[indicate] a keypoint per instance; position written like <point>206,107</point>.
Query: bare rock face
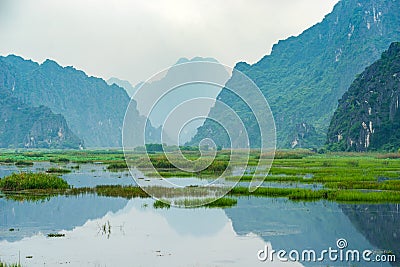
<point>368,115</point>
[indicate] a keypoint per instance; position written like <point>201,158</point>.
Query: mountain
<point>368,115</point>
<point>22,126</point>
<point>93,110</point>
<point>30,127</point>
<point>304,76</point>
<point>184,83</point>
<point>130,90</point>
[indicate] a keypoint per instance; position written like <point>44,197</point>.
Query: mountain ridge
<point>93,110</point>
<point>304,76</point>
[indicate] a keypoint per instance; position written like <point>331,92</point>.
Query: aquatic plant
<point>117,166</point>
<point>159,204</point>
<point>57,170</point>
<point>23,181</point>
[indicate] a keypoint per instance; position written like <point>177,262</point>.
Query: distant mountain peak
<point>183,60</point>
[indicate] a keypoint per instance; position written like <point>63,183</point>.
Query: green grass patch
<point>159,204</point>
<point>110,191</point>
<point>117,166</point>
<point>331,194</point>
<point>22,163</point>
<point>60,160</point>
<point>2,264</point>
<point>26,181</point>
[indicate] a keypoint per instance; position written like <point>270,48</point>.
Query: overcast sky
<point>132,39</point>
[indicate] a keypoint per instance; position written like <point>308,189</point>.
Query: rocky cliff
<point>368,115</point>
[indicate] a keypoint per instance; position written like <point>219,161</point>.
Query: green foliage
<point>92,108</point>
<point>304,76</point>
<point>372,100</point>
<point>154,147</point>
<point>22,163</point>
<point>59,160</point>
<point>161,204</point>
<point>117,166</point>
<point>2,264</point>
<point>23,181</point>
<point>23,126</point>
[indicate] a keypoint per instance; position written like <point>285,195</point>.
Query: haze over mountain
<point>186,82</point>
<point>304,76</point>
<point>368,115</point>
<point>93,110</point>
<point>130,90</point>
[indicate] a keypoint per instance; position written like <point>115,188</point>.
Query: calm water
<point>101,231</point>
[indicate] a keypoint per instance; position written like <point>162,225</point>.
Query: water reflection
<point>313,225</point>
<point>24,219</point>
<point>380,224</point>
<point>138,235</point>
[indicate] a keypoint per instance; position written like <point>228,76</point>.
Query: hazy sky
<point>132,39</point>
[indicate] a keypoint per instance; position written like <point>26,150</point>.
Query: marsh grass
<point>161,204</point>
<point>24,181</point>
<point>331,194</point>
<point>117,166</point>
<point>110,191</point>
<point>22,163</point>
<point>60,160</point>
<point>344,175</point>
<point>57,170</point>
<point>2,264</point>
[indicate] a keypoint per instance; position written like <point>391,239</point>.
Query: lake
<point>105,231</point>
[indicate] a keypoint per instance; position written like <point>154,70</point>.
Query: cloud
<point>134,39</point>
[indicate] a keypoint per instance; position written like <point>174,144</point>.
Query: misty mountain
<point>368,115</point>
<point>130,90</point>
<point>304,76</point>
<point>93,110</point>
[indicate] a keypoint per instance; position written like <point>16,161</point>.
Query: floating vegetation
<point>117,166</point>
<point>24,181</point>
<point>58,170</point>
<point>21,163</point>
<point>161,204</point>
<point>60,160</point>
<point>7,161</point>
